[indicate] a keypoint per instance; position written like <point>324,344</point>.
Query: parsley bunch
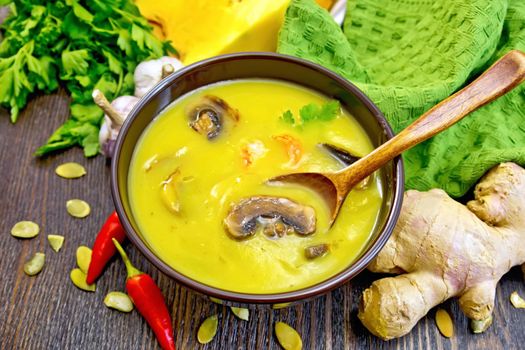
<point>312,112</point>
<point>83,44</point>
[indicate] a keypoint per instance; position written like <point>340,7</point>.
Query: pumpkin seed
<point>280,306</point>
<point>444,323</point>
<point>25,229</point>
<point>55,241</point>
<point>517,301</point>
<point>480,326</point>
<point>288,337</point>
<point>118,301</point>
<point>70,170</point>
<point>242,313</point>
<point>83,258</point>
<point>215,300</point>
<point>207,330</point>
<point>79,280</point>
<point>78,208</point>
<point>35,264</point>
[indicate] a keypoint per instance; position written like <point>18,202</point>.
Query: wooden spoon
<point>501,77</point>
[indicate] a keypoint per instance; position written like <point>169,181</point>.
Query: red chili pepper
<point>148,299</point>
<point>104,249</point>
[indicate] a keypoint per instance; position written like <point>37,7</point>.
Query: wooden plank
<point>48,312</point>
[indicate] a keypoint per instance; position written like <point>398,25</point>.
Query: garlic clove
<point>149,73</point>
<point>123,105</point>
<point>115,114</point>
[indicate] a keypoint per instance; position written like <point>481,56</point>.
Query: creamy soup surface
<point>184,183</point>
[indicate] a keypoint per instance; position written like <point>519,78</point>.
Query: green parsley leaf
<point>108,85</point>
<point>38,11</point>
<point>124,42</point>
<point>84,44</point>
<point>34,65</point>
<point>153,44</point>
<point>90,143</point>
<point>83,80</point>
<point>62,138</point>
<point>114,65</point>
<point>312,112</point>
<point>6,88</point>
<point>288,118</point>
<point>326,112</point>
<point>48,75</point>
<point>309,112</point>
<point>330,110</point>
<point>137,35</point>
<point>72,132</point>
<point>75,29</point>
<point>80,11</point>
<point>75,61</point>
<point>86,113</point>
<point>128,83</point>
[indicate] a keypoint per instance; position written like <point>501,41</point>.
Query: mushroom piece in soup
<point>277,216</point>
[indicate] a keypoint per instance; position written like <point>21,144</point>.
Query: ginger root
<point>443,249</point>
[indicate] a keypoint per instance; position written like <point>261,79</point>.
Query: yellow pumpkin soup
<point>198,193</point>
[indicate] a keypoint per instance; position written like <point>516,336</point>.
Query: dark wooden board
<point>48,312</point>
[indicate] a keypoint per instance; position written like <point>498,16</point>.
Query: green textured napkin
<point>409,55</point>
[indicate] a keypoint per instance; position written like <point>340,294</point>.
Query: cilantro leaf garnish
<point>288,118</point>
<point>312,112</point>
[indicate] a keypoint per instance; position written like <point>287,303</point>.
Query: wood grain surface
<point>48,312</point>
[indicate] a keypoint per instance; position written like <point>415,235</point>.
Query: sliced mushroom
<point>342,155</point>
<point>277,216</point>
<point>207,115</point>
<point>315,251</point>
<point>346,158</point>
<point>169,193</point>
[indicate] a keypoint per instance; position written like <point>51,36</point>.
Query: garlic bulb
<point>4,13</point>
<point>149,73</point>
<point>115,114</point>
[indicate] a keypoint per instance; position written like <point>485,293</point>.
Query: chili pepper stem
<point>132,270</point>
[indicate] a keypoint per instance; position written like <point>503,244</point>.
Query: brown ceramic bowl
<point>270,66</point>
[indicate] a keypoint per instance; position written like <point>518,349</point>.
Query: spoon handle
<point>501,77</point>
